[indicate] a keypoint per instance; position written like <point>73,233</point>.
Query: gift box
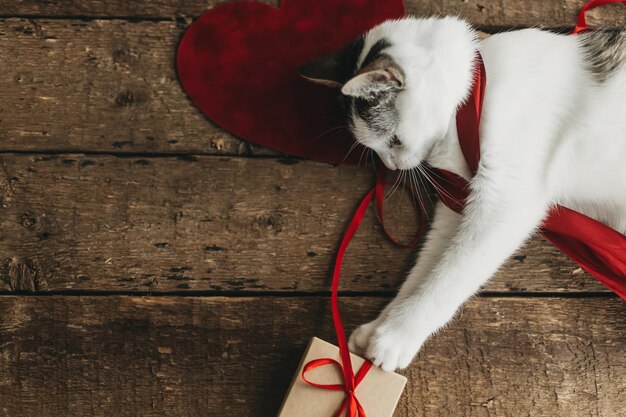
<point>377,393</point>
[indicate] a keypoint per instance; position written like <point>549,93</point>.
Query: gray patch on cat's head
<point>370,81</point>
<point>379,113</point>
<point>373,89</point>
<point>604,51</point>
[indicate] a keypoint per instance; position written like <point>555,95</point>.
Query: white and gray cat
<point>553,131</point>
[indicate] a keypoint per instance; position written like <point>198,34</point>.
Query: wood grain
<point>144,221</point>
<point>165,356</point>
<point>99,86</point>
<point>560,13</point>
<point>107,223</point>
<point>515,13</point>
<point>102,86</point>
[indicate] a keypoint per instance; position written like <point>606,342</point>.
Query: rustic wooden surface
<point>120,94</point>
<point>501,13</point>
<point>151,264</point>
<point>212,224</point>
<point>166,356</point>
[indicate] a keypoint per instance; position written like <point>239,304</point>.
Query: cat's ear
<point>327,70</point>
<point>383,75</point>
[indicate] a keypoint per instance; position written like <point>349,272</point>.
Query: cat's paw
<point>392,346</point>
<point>359,339</point>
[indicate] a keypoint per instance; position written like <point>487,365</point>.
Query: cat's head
<point>401,84</point>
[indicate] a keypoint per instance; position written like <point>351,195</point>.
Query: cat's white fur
<point>550,134</point>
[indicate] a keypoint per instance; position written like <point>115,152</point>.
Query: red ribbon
<point>581,23</point>
<point>596,247</point>
<point>351,402</point>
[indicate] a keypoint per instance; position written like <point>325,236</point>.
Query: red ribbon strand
<point>581,23</point>
<point>597,248</point>
<point>351,402</point>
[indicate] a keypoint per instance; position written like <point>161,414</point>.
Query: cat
<point>553,131</point>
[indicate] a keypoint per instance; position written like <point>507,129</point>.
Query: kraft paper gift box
<point>378,392</point>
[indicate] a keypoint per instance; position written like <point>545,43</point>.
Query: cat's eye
<point>395,141</point>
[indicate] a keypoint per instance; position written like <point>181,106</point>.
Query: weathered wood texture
<point>131,356</point>
<point>70,222</point>
<point>104,86</point>
<point>211,223</point>
<point>111,83</point>
<point>560,13</point>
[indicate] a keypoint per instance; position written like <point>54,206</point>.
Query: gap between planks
<point>292,294</point>
<point>489,13</point>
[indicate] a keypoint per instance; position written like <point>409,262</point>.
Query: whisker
<point>428,169</point>
<point>388,191</point>
<point>437,187</point>
<point>396,185</point>
<point>412,186</point>
<point>334,130</point>
<point>353,147</point>
<point>422,187</point>
<point>332,119</point>
<point>428,178</point>
<point>330,129</point>
<point>361,157</point>
<point>364,156</point>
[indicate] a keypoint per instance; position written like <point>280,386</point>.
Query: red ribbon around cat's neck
<point>597,248</point>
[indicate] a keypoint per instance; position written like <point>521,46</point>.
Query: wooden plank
<point>515,13</point>
<point>128,356</point>
<point>212,224</point>
<point>561,13</point>
<point>99,86</point>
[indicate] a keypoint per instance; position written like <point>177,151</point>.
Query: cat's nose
<point>389,162</point>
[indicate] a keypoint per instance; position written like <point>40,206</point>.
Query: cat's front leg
<point>489,232</point>
<point>443,227</point>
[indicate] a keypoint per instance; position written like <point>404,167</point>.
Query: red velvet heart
<point>239,63</point>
